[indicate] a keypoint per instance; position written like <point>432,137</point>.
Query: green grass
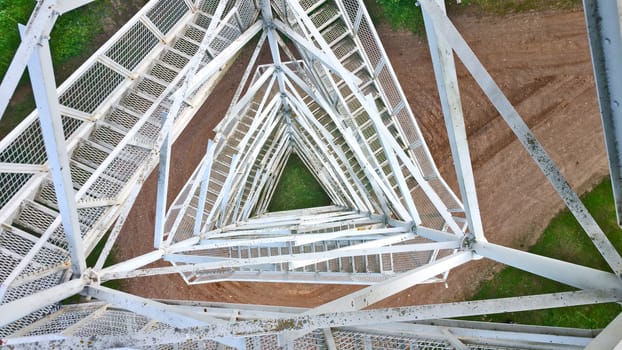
<point>71,37</point>
<point>562,239</point>
<point>71,41</point>
<point>297,188</point>
<point>404,14</point>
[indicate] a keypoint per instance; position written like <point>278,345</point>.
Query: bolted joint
<point>91,277</point>
<point>385,219</point>
<point>268,25</point>
<point>467,241</point>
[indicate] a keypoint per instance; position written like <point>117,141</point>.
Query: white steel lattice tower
<point>72,170</point>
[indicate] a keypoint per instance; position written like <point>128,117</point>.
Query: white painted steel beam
<point>295,239</point>
<point>205,176</point>
<point>308,115</point>
<point>603,28</point>
<point>154,310</point>
<point>202,76</point>
<point>608,338</point>
<point>130,268</point>
<point>304,116</point>
<point>348,134</point>
<point>495,335</point>
<point>375,293</point>
<point>44,88</point>
<point>19,308</point>
<point>415,171</point>
<point>168,118</point>
<point>375,243</point>
<point>445,28</point>
<point>63,6</point>
<point>447,84</point>
<point>571,274</point>
<point>398,174</point>
<point>383,320</point>
<point>17,168</point>
<point>116,229</point>
<point>206,262</point>
<point>160,312</point>
<point>36,32</point>
<point>205,73</point>
<point>163,176</point>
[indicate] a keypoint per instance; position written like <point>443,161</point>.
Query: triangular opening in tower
<point>297,188</point>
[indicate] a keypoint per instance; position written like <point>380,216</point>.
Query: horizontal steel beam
<point>19,308</point>
<point>571,274</point>
<point>280,322</point>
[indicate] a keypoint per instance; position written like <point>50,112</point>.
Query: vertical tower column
<point>44,88</point>
<point>447,83</point>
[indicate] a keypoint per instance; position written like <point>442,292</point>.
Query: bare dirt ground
<point>540,60</point>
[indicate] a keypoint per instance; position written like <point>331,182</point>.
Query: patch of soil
<point>539,59</point>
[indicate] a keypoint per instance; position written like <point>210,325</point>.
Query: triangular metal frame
<point>336,102</point>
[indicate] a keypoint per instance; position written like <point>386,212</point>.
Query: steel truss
<point>332,98</point>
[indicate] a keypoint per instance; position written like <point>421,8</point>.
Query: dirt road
<point>540,60</point>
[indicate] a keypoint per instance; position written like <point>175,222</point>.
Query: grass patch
<point>72,40</point>
<point>71,36</point>
<point>297,188</point>
<point>405,14</point>
<point>565,240</point>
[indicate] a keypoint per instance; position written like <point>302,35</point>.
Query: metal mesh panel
<point>27,289</point>
<point>111,322</point>
<point>26,148</point>
<point>219,44</point>
<point>18,244</point>
<point>133,46</point>
<point>208,6</point>
<point>174,58</point>
<point>202,20</point>
<point>357,340</point>
<point>70,125</point>
<point>312,341</point>
<point>166,13</point>
<point>247,10</point>
<point>10,184</point>
<point>27,320</point>
<point>124,166</point>
<point>194,33</point>
<point>91,89</point>
<point>65,318</point>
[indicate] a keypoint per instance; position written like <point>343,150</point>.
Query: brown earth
<point>540,60</point>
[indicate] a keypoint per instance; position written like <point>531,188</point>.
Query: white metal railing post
<point>163,176</point>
